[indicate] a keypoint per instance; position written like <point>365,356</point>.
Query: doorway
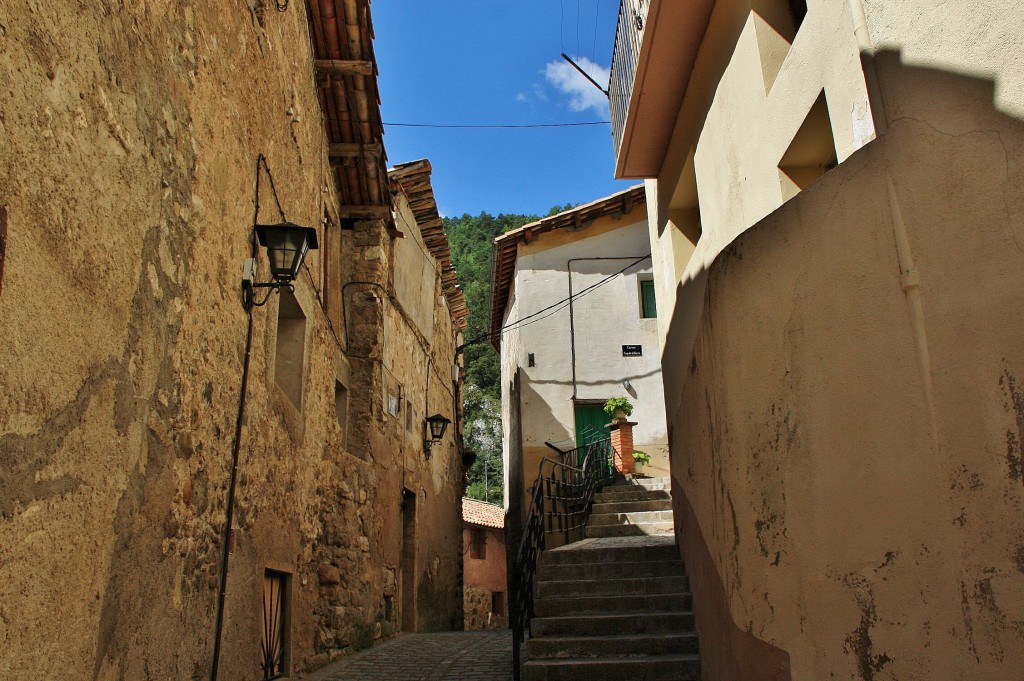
<point>591,423</point>
<point>408,564</point>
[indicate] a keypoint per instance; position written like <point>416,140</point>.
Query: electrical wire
<point>551,309</point>
<point>578,27</point>
<point>561,25</point>
<point>564,302</point>
<point>537,125</point>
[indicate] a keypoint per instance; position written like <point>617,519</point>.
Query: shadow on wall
<point>846,435</point>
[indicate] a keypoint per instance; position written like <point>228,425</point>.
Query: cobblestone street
<point>448,656</point>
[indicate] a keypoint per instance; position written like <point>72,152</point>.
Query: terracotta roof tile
<point>477,512</point>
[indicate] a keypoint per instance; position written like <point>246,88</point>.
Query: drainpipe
<point>572,323</point>
<point>867,62</point>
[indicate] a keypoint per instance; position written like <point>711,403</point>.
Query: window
<point>291,348</point>
<point>648,308</point>
<point>341,408</point>
<point>811,154</point>
<point>498,603</point>
<point>478,544</point>
<point>274,640</point>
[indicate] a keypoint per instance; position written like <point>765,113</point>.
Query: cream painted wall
<point>985,43</point>
<point>737,140</point>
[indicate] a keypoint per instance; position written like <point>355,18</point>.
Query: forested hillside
<point>470,238</point>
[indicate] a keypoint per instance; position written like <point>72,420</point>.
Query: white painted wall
<point>603,321</point>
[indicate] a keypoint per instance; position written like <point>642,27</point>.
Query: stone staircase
<point>616,605</point>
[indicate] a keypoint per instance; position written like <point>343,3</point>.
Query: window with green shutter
<point>648,307</point>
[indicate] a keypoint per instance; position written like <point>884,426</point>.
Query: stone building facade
<point>835,192</point>
<point>129,139</point>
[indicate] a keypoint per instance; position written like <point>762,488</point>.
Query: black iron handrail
<point>559,504</point>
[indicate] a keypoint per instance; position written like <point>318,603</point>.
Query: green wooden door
<point>590,423</point>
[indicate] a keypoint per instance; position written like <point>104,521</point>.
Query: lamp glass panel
<point>286,248</point>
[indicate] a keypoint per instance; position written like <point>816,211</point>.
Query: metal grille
<point>273,640</point>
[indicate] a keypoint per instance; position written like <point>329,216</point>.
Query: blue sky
<point>497,62</point>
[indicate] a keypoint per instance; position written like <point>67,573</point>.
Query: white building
<point>574,317</point>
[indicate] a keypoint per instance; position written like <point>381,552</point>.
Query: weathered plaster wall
<point>482,578</point>
<point>984,44</point>
<point>128,140</point>
<point>489,572</point>
<point>848,436</point>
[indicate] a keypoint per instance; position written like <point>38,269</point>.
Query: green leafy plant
<point>616,404</point>
<point>641,457</point>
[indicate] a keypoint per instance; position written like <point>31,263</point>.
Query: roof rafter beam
<point>353,150</point>
<point>343,67</point>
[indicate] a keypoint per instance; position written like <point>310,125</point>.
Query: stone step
<point>633,518</point>
<point>608,624</point>
<point>648,529</point>
<point>647,483</point>
<point>683,667</point>
<point>582,605</point>
<point>614,551</point>
<point>632,506</point>
<point>620,645</point>
<point>563,572</point>
<point>612,495</point>
<point>627,585</point>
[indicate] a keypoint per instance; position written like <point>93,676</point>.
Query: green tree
<point>471,240</point>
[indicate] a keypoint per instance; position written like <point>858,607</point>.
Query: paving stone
<point>446,656</point>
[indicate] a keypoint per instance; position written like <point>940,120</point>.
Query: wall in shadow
<point>846,432</point>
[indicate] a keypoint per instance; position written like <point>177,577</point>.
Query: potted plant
<point>640,459</point>
<point>618,408</point>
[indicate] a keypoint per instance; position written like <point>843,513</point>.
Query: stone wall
<point>846,450</point>
<point>478,612</point>
<point>128,144</point>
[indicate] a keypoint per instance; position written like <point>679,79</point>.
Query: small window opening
<point>797,12</point>
<point>498,603</point>
<point>776,23</point>
<point>811,154</point>
<point>291,348</point>
<point>341,409</point>
<point>648,305</point>
<point>478,544</point>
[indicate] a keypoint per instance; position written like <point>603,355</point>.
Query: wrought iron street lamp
<point>433,431</point>
<point>286,244</point>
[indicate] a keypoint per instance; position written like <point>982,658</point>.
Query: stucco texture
<point>847,445</point>
<point>128,143</point>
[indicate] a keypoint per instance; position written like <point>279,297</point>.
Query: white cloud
<point>535,94</point>
<point>581,92</point>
